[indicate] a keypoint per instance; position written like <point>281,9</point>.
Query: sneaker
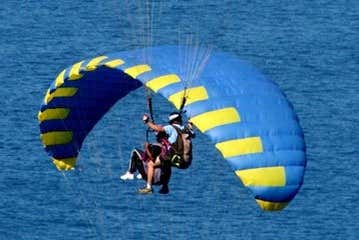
<point>164,190</point>
<point>127,176</point>
<point>145,190</point>
<point>139,176</point>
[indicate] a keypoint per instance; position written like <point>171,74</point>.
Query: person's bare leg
<point>150,173</point>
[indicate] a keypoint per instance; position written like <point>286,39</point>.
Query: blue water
<point>310,48</point>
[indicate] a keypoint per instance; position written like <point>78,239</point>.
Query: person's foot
<point>127,176</point>
<point>145,190</point>
<point>139,176</point>
<point>164,190</point>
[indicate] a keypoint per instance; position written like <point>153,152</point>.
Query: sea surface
<point>309,48</point>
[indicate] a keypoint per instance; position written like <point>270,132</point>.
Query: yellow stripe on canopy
<point>271,206</point>
<point>93,64</point>
<point>56,137</point>
<point>75,71</point>
<point>114,63</point>
<point>64,164</point>
<point>162,81</point>
<point>53,114</point>
<point>192,95</point>
<point>241,146</point>
<point>137,70</point>
<point>60,79</point>
<point>263,177</point>
<point>211,119</point>
<point>60,92</point>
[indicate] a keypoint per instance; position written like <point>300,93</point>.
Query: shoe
<point>164,190</point>
<point>145,190</point>
<point>127,176</point>
<point>139,176</point>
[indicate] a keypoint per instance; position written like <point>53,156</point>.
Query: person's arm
<point>148,152</point>
<point>150,124</point>
<point>190,130</point>
<point>155,127</point>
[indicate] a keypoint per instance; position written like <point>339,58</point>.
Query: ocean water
<point>310,48</point>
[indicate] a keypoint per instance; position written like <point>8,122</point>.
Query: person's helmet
<point>174,117</point>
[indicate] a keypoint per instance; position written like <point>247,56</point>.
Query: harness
<point>181,150</point>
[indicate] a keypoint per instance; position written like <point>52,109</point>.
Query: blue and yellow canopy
<point>247,117</point>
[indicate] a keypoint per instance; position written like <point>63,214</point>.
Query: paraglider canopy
<point>247,117</point>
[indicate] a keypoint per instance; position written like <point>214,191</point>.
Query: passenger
<point>139,161</point>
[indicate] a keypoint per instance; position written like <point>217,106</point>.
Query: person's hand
<point>145,118</point>
<point>190,125</point>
